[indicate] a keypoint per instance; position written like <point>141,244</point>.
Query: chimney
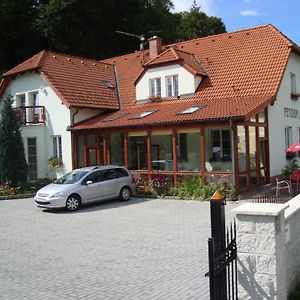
<point>155,46</point>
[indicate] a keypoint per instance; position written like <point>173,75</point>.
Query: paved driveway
<point>141,249</point>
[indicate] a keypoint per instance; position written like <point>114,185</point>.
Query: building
<point>224,106</point>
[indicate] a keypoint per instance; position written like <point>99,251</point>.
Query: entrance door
<point>94,150</point>
<point>91,158</point>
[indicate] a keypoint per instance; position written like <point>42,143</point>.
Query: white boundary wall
<point>268,241</point>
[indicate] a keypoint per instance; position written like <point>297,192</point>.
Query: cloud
<point>249,12</point>
<point>207,6</point>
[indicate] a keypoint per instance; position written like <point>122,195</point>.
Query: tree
<point>195,23</point>
<point>13,166</point>
<point>19,37</point>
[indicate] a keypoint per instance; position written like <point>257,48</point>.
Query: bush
<point>290,168</point>
<point>193,187</point>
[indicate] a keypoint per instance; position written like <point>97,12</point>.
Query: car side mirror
<point>88,182</point>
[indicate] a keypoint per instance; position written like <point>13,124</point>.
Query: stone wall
<point>268,240</point>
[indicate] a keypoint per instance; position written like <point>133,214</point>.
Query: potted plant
<point>55,162</point>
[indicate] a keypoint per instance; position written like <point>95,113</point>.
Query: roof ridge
<point>77,57</point>
<point>174,51</point>
<point>39,61</point>
<point>221,34</point>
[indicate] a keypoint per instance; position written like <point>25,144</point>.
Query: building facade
<point>224,107</point>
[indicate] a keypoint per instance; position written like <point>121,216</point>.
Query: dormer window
<point>155,87</point>
<point>172,86</point>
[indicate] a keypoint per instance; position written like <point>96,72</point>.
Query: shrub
<point>290,168</point>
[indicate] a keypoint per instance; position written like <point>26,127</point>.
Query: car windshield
<point>72,177</point>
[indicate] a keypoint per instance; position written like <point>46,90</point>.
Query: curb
<point>18,196</point>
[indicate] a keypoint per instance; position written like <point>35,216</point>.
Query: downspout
<point>73,117</point>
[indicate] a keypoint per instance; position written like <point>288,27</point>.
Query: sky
<point>242,14</point>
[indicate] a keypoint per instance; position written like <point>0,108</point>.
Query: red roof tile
<point>170,56</point>
<point>169,112</point>
<point>174,55</point>
<point>78,81</point>
<point>244,73</point>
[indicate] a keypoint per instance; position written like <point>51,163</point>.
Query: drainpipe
<point>73,117</point>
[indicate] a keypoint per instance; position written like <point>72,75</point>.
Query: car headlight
<point>58,194</point>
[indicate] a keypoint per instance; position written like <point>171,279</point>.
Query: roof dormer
<point>171,74</point>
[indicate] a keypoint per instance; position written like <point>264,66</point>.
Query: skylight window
<point>115,117</point>
<point>191,109</point>
<point>107,84</point>
<point>144,114</point>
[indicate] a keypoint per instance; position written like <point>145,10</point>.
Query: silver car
<point>87,185</point>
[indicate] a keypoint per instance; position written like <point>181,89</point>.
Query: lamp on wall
<point>44,90</point>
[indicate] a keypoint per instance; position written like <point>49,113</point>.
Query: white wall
<point>187,82</point>
<point>83,114</point>
<point>57,120</point>
<point>278,120</point>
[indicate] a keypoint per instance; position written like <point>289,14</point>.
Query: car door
<point>91,187</point>
<point>109,183</point>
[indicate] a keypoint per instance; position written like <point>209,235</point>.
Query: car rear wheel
<point>125,193</point>
<point>72,203</point>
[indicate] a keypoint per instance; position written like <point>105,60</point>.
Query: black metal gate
<point>222,253</point>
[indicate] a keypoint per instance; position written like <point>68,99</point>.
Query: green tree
<point>195,23</point>
<point>13,166</point>
<point>19,37</point>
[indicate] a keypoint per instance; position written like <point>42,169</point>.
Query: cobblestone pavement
<point>141,249</point>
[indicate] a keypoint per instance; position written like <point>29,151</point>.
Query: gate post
<point>217,217</point>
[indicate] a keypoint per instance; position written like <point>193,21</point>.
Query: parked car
<point>87,185</point>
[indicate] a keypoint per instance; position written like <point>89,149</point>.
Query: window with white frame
<point>32,158</point>
<point>57,147</point>
<point>293,84</point>
<point>172,86</point>
<point>155,87</point>
<point>288,136</point>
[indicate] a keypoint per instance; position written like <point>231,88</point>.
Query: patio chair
<point>284,184</point>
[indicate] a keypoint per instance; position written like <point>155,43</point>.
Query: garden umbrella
<point>293,148</point>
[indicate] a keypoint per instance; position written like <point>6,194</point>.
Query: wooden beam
<point>174,133</point>
<point>149,160</point>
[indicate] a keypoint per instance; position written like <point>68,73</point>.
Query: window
<point>20,100</point>
<point>144,114</point>
<point>116,117</point>
<point>172,86</point>
<point>188,151</point>
<point>57,148</point>
<point>155,87</point>
<point>293,84</point>
<point>288,136</point>
<point>107,84</point>
<point>32,158</point>
<point>221,146</point>
<point>34,111</point>
<point>191,109</point>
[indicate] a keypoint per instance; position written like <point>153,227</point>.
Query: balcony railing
<point>30,114</point>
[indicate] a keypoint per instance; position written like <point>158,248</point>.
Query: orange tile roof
<point>169,112</point>
<point>78,81</point>
<point>172,55</point>
<point>244,73</point>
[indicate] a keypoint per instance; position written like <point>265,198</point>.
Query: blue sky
<point>241,14</point>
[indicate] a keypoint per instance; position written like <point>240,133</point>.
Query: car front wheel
<point>125,193</point>
<point>72,203</point>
